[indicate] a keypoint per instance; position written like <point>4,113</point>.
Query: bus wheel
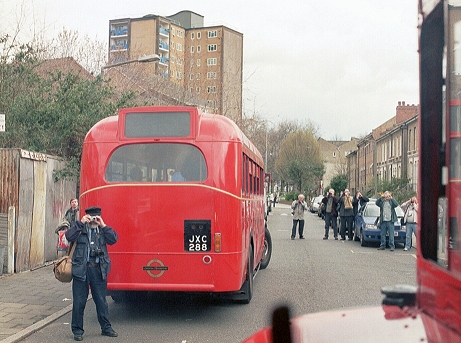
<point>119,297</point>
<point>247,287</point>
<point>267,252</point>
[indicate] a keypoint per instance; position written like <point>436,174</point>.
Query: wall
<point>39,203</point>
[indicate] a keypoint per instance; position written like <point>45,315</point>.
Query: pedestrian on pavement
<point>346,213</point>
<point>330,202</point>
<point>387,218</point>
<point>410,219</point>
<point>359,205</point>
<point>298,207</point>
<point>72,213</point>
<point>90,266</point>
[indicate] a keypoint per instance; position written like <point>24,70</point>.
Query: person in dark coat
<point>346,213</point>
<point>90,266</point>
<point>330,202</point>
<point>359,205</point>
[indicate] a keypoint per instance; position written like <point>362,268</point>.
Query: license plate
<point>197,235</point>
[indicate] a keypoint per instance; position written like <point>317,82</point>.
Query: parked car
<point>369,231</point>
<point>315,204</point>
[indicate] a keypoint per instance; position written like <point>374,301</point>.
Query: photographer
<point>297,209</point>
<point>358,204</point>
<point>330,202</point>
<point>410,219</point>
<point>387,218</point>
<point>90,267</point>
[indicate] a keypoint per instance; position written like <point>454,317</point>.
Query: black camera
<point>94,219</point>
<point>96,253</point>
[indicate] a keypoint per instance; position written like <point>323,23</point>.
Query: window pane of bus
<point>170,124</point>
<point>156,162</point>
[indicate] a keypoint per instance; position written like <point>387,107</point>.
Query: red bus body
<point>431,312</point>
<point>151,216</point>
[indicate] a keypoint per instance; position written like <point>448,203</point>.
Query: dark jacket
<point>343,211</point>
<point>394,204</point>
<point>333,208</point>
<point>79,232</point>
<point>362,201</point>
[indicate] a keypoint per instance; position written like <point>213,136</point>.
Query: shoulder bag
<point>63,267</point>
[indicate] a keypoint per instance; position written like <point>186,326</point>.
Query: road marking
<point>361,252</point>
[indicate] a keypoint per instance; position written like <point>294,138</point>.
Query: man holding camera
<point>90,266</point>
<point>331,216</point>
<point>387,218</point>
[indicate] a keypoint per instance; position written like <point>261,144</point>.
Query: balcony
<point>164,31</point>
<point>163,46</point>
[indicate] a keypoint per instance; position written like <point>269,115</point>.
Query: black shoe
<point>302,237</point>
<point>292,238</point>
<point>350,239</point>
<point>381,248</point>
<point>336,238</point>
<point>392,249</point>
<point>110,333</point>
<point>325,237</point>
<point>78,338</point>
<point>343,239</point>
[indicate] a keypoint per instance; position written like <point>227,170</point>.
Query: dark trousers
<point>347,220</point>
<point>300,229</point>
<point>331,220</point>
<point>80,294</point>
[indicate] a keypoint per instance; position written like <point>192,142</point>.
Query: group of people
<point>349,209</point>
<point>90,265</point>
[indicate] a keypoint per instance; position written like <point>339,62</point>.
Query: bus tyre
<point>247,287</point>
<point>267,251</point>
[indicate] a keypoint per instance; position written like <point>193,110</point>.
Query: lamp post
<point>144,59</point>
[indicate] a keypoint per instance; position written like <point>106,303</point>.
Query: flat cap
<point>93,211</point>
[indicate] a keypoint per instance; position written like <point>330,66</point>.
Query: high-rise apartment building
<point>204,61</point>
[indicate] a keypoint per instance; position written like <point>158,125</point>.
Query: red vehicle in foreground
<point>185,192</point>
<point>430,312</point>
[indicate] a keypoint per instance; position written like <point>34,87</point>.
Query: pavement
<point>31,300</point>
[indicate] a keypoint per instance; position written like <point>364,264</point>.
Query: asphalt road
<point>309,275</point>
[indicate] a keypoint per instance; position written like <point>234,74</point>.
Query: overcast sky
<point>344,65</point>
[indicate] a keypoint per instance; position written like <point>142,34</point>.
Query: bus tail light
<point>217,242</point>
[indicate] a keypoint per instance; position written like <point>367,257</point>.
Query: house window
<point>212,61</point>
<point>179,46</point>
<point>192,49</point>
<point>197,90</point>
<point>212,34</point>
<point>192,35</point>
<point>212,47</point>
<point>172,45</point>
<point>199,48</point>
<point>198,63</point>
<point>191,77</point>
<point>199,35</point>
<point>198,76</point>
<point>211,75</point>
<point>211,89</point>
<point>180,33</point>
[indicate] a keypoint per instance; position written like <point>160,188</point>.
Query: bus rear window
<point>161,124</point>
<point>156,162</point>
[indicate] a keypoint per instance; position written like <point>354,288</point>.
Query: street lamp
<point>148,58</point>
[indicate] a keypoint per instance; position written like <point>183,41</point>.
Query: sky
<point>344,65</point>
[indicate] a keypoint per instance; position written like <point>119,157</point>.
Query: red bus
<point>431,311</point>
<point>185,192</point>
